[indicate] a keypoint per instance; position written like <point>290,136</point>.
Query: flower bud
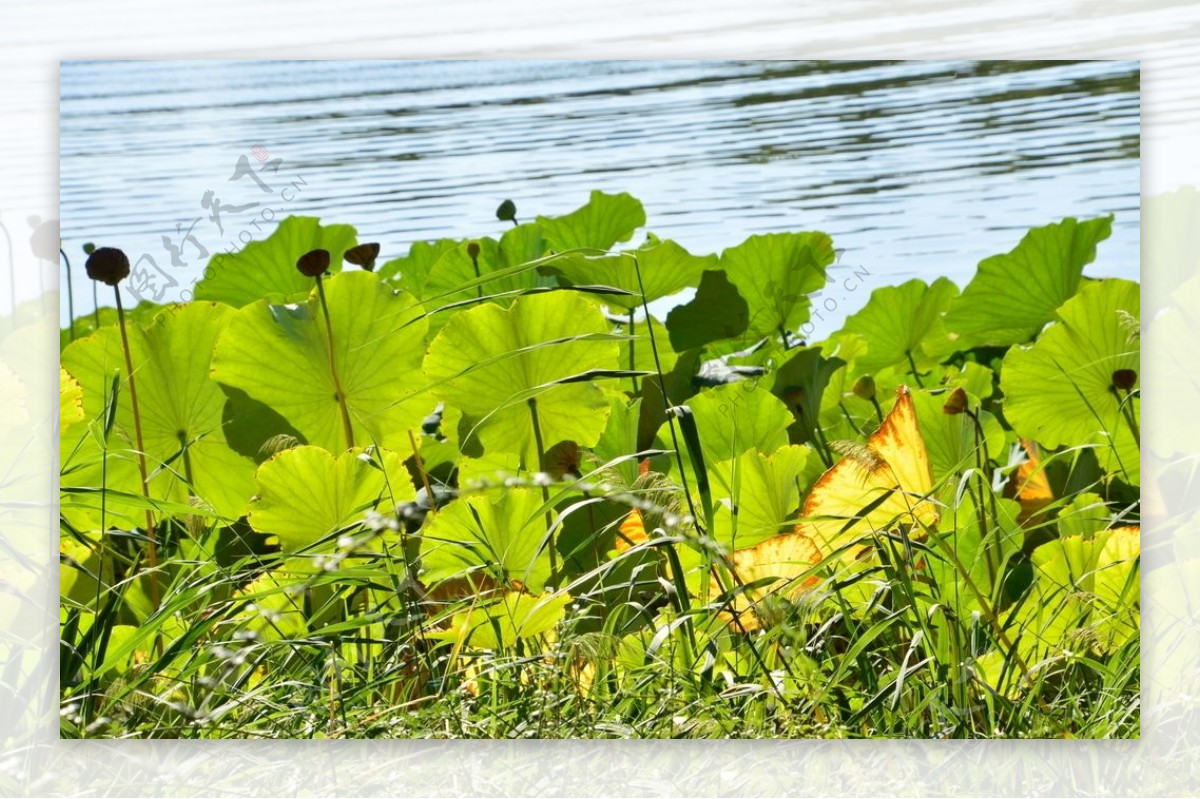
<point>957,402</point>
<point>108,265</point>
<point>507,212</point>
<point>864,387</point>
<point>363,255</point>
<point>1124,379</point>
<point>89,248</point>
<point>313,264</point>
<point>473,250</point>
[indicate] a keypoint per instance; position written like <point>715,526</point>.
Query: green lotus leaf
<point>70,401</point>
<point>179,404</point>
<point>1085,594</point>
<point>142,314</point>
<point>758,495</point>
<point>737,417</point>
<point>267,268</point>
<point>951,440</point>
<point>1013,295</point>
<point>502,623</point>
<point>1084,516</point>
<point>1117,587</point>
<point>279,355</point>
<point>498,534</point>
<point>619,439</point>
<point>488,361</point>
<point>642,357</point>
<point>800,383</point>
<point>985,554</point>
<point>898,319</point>
<point>454,268</point>
<point>253,428</point>
<point>521,244</point>
<point>86,324</point>
<point>666,269</point>
<point>717,312</point>
<point>1117,581</point>
<point>490,470</point>
<point>306,493</point>
<point>976,379</point>
<point>674,388</point>
<point>1060,390</point>
<point>409,272</point>
<point>605,220</point>
<point>775,273</point>
<point>845,347</point>
<point>276,602</point>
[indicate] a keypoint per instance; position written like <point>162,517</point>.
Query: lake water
<point>915,168</point>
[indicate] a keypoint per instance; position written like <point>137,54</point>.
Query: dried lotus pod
<point>314,263</point>
<point>107,265</point>
<point>363,255</point>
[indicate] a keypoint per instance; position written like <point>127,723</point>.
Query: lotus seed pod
<point>108,265</point>
<point>507,212</point>
<point>313,264</point>
<point>957,402</point>
<point>473,250</point>
<point>363,255</point>
<point>89,248</point>
<point>1124,379</point>
<point>864,387</point>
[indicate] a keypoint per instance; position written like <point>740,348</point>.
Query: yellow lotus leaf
<point>874,489</point>
<point>788,557</point>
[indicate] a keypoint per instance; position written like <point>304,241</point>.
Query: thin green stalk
<point>988,613</point>
<point>337,382</point>
<point>632,362</point>
<point>912,364</point>
<point>878,409</point>
<point>1126,405</point>
<point>541,453</point>
<point>849,418</point>
<point>70,296</point>
<point>185,452</point>
<point>687,494</point>
<point>474,255</point>
<point>151,533</point>
<point>982,458</point>
<point>823,446</point>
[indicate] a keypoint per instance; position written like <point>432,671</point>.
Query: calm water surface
<point>915,168</point>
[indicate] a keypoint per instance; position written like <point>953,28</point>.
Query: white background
<point>1163,35</point>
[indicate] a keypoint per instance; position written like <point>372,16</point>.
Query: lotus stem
<point>473,252</point>
<point>912,365</point>
<point>541,454</point>
<point>347,427</point>
<point>1126,405</point>
<point>687,492</point>
<point>632,341</point>
<point>151,533</point>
